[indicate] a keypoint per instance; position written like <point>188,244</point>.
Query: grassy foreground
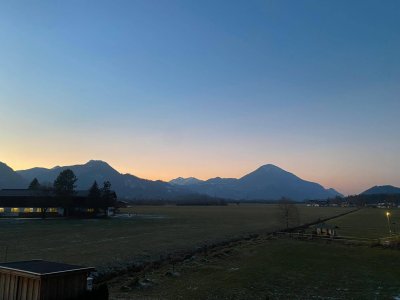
<point>150,232</point>
<point>274,269</point>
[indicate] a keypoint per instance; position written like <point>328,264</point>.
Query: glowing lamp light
<point>388,221</point>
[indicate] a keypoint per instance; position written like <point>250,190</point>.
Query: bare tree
<point>288,213</point>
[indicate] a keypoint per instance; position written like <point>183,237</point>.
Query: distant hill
<point>10,179</point>
<point>268,182</point>
<point>382,189</point>
<point>127,186</point>
<point>185,181</point>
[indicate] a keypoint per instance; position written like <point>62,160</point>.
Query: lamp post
<point>388,221</point>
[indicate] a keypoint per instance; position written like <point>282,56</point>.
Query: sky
<point>167,88</point>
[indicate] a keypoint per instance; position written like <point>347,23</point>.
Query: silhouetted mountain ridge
<point>268,182</point>
<point>185,181</point>
<point>382,189</point>
<point>126,185</point>
<point>9,178</point>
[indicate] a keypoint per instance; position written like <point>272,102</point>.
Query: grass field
<point>274,269</point>
<point>368,223</point>
<point>153,231</point>
<point>280,268</point>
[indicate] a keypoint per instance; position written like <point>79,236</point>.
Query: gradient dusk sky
<point>162,89</point>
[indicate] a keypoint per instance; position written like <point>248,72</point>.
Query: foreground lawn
<point>149,232</point>
<point>274,269</point>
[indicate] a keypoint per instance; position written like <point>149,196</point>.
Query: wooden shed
<point>42,280</point>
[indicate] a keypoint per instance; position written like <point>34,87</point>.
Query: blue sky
<point>163,89</point>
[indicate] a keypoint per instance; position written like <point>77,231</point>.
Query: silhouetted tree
<point>108,197</point>
<point>64,187</point>
<point>288,213</point>
<point>46,191</point>
<point>94,197</point>
<point>34,185</point>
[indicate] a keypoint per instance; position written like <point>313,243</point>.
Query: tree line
<point>64,189</point>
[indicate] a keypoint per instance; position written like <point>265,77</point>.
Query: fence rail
<point>310,236</point>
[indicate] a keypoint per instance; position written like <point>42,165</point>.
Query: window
<point>52,209</point>
<point>15,209</point>
<point>28,210</point>
<point>1,209</point>
<point>90,210</point>
<point>39,210</point>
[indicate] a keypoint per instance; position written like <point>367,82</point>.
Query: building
<point>42,203</point>
<point>42,280</point>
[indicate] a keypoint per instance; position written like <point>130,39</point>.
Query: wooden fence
<point>313,236</point>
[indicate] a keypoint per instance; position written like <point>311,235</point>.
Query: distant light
<point>387,214</point>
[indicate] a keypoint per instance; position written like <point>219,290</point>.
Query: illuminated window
<point>52,209</point>
<point>15,209</point>
<point>28,210</point>
<point>1,209</point>
<point>90,210</point>
<point>38,210</point>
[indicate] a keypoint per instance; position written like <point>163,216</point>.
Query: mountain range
<point>268,182</point>
<point>127,186</point>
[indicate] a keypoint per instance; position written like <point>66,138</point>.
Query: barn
<point>25,203</point>
<point>42,280</point>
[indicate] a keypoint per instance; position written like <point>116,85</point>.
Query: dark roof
<point>21,193</point>
<point>42,267</point>
<point>35,193</point>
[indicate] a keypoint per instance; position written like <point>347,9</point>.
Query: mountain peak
<point>382,189</point>
<point>269,167</point>
<point>185,181</point>
<point>98,164</point>
<point>266,173</point>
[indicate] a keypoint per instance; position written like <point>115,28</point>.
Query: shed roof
<point>36,193</point>
<point>42,267</point>
<point>22,193</point>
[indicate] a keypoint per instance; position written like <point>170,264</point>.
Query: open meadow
<point>277,267</point>
<point>273,269</point>
<point>369,223</point>
<point>141,233</point>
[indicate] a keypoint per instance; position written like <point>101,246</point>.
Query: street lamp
<point>388,221</point>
